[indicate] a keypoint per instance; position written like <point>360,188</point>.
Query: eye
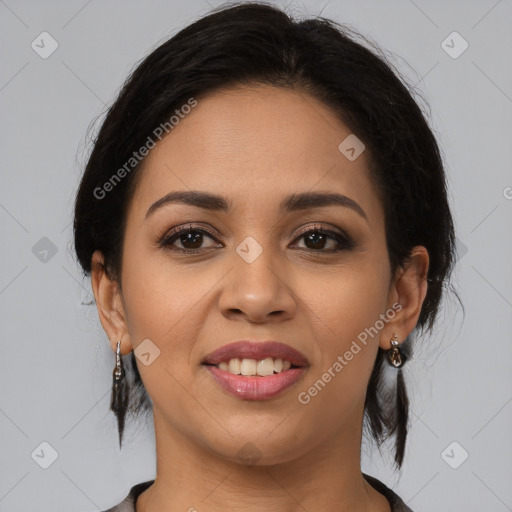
<point>191,239</point>
<point>316,239</point>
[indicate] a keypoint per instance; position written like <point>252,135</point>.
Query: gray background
<point>56,362</point>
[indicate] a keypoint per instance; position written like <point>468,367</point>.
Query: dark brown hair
<point>252,43</point>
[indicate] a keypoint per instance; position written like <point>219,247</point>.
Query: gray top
<point>397,505</point>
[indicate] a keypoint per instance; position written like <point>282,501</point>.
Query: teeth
<point>248,367</point>
<point>251,367</point>
<point>234,366</point>
<point>265,367</point>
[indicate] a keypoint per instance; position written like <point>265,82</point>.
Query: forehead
<point>253,144</point>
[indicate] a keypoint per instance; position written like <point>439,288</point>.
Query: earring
<point>119,397</point>
<point>396,357</point>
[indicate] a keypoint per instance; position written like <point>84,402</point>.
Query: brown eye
<point>318,239</point>
<point>191,239</point>
<point>315,240</point>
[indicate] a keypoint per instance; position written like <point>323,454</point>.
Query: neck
<point>192,478</point>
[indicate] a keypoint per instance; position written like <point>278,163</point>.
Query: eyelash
<point>344,241</point>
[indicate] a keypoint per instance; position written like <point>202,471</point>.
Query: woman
<point>264,217</point>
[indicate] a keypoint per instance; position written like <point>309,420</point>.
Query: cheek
<point>162,306</point>
<point>333,392</point>
<point>160,297</point>
<point>167,305</point>
<point>344,314</point>
<point>345,303</point>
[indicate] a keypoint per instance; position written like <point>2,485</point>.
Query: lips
<point>258,351</point>
<point>290,365</point>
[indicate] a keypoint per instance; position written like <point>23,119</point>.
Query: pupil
<point>318,240</point>
<point>192,238</point>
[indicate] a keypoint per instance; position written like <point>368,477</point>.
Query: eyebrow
<point>294,202</point>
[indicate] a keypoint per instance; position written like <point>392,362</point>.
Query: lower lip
<point>256,388</point>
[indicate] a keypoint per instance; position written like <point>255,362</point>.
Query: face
<point>312,275</point>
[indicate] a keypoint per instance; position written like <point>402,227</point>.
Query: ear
<point>408,290</point>
<point>110,305</point>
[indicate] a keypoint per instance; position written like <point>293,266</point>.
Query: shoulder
<point>397,504</point>
<point>128,504</point>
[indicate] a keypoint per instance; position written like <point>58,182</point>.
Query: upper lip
<point>256,350</point>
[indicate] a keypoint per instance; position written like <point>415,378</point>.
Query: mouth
<point>252,367</point>
<point>256,370</point>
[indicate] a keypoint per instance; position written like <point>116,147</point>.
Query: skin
<point>255,146</point>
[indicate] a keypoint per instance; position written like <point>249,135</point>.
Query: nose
<point>258,292</point>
